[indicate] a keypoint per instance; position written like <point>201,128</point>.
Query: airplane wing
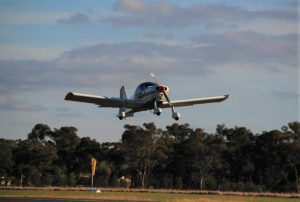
<point>188,102</point>
<point>103,101</point>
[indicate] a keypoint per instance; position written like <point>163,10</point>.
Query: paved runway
<point>56,200</point>
<point>42,200</point>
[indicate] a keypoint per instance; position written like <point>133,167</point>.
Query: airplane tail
<point>123,95</point>
<point>122,110</point>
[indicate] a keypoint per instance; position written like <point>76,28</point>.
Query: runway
<point>57,200</point>
<point>41,200</point>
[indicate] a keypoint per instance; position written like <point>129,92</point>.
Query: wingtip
<point>69,96</point>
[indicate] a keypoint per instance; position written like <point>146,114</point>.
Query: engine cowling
<point>162,89</point>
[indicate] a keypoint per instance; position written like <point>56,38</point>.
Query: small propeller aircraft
<point>147,96</point>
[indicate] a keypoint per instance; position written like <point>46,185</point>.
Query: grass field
<point>138,196</point>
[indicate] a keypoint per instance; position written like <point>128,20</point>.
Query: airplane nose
<point>162,89</point>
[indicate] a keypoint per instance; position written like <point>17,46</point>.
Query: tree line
<point>177,157</point>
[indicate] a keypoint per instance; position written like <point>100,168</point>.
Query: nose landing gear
<point>156,110</point>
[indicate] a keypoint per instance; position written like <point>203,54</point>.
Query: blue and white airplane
<point>147,96</point>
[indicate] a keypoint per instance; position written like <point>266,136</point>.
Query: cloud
<point>286,95</point>
<point>165,36</point>
<point>23,52</point>
<point>166,14</point>
<point>67,112</point>
<point>9,17</point>
<point>132,5</point>
<point>249,47</point>
<point>111,63</point>
<point>3,99</point>
<point>75,19</point>
<point>8,104</point>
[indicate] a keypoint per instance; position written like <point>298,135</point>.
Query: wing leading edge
<point>103,101</point>
<point>188,102</point>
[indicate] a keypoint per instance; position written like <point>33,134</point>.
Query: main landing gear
<point>157,111</point>
<point>175,115</point>
<point>121,114</point>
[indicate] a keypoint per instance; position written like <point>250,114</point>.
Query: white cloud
<point>132,5</point>
<point>23,18</point>
<point>270,26</point>
<point>166,14</point>
<point>92,65</point>
<point>75,19</point>
<point>25,52</point>
<point>9,104</point>
<point>3,99</point>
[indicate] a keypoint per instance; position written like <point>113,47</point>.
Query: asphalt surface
<point>41,200</point>
<point>55,200</point>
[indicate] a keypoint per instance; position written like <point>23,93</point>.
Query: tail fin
<point>123,95</point>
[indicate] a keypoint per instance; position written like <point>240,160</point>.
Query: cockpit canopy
<point>141,89</point>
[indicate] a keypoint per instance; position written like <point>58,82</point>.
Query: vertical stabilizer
<point>123,95</point>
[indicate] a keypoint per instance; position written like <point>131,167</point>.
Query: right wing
<point>103,101</point>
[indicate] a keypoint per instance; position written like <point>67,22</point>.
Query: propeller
<point>161,88</point>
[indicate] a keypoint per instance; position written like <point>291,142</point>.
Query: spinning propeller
<point>164,89</point>
<point>161,88</point>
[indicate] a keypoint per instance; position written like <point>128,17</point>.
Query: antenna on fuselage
<point>154,78</point>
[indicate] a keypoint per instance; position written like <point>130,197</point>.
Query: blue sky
<point>248,49</point>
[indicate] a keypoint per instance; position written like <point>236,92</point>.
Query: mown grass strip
<point>139,196</point>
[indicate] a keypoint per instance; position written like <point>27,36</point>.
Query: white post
<point>92,180</point>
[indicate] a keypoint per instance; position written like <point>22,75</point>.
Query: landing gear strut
<point>121,114</point>
<point>156,110</point>
<point>175,115</point>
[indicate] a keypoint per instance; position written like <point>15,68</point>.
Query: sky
<point>247,49</point>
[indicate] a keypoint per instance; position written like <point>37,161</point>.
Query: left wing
<point>103,101</point>
<point>188,102</point>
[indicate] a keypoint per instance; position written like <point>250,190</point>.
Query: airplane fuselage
<point>149,92</point>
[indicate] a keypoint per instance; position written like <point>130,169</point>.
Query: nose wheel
<point>156,110</point>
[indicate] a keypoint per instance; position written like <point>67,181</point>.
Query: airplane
<point>148,96</point>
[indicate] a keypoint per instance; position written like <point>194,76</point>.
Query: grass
<point>139,196</point>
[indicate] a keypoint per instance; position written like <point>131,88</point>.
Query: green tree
<point>40,133</point>
<point>6,157</point>
<point>240,143</point>
<point>138,149</point>
<point>112,153</point>
<point>85,150</point>
<point>163,154</point>
<point>180,163</point>
<point>269,160</point>
<point>103,173</point>
<point>33,160</point>
<point>66,141</point>
<point>292,143</point>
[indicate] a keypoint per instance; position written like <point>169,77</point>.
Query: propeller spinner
<point>161,88</point>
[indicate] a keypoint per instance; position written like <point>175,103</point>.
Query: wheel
<point>157,111</point>
<point>176,116</point>
<point>121,118</point>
